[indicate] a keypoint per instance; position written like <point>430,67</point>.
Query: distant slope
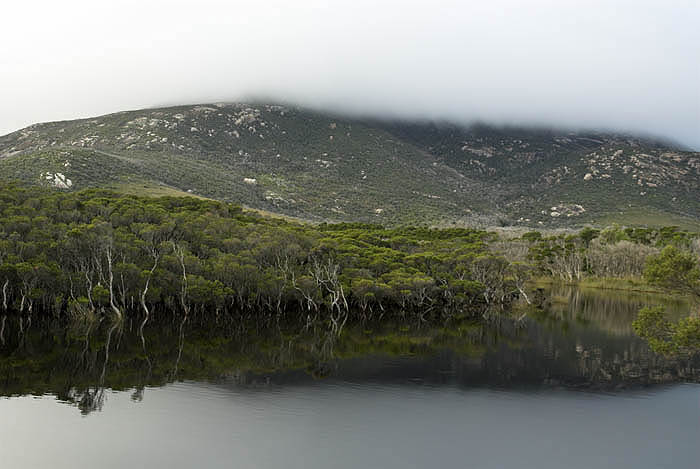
<point>324,167</point>
<point>557,173</point>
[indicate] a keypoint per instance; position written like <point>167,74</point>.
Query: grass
<point>631,284</point>
<point>153,190</point>
<point>150,189</point>
<point>648,218</point>
<point>624,284</point>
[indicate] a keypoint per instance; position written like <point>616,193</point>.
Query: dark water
<point>568,388</point>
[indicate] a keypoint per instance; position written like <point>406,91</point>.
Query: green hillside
<point>323,167</point>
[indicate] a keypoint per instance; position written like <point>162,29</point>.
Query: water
<point>573,388</point>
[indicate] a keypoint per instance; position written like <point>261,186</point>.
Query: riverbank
<point>630,284</point>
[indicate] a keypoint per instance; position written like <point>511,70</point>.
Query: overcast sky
<point>617,64</point>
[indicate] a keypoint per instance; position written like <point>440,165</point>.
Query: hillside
<point>323,167</point>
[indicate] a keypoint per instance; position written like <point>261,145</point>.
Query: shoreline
<point>636,285</point>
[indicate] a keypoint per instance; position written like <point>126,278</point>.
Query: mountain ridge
<point>326,167</point>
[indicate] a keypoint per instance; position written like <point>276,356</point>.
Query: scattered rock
<point>568,210</point>
<point>58,180</point>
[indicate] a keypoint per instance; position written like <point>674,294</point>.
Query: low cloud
<point>620,65</point>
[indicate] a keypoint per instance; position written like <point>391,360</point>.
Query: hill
<point>322,167</point>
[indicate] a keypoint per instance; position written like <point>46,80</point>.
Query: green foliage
<point>588,234</point>
<point>95,251</point>
<point>532,236</point>
<point>622,252</point>
<point>674,269</point>
<point>613,234</point>
<point>666,337</point>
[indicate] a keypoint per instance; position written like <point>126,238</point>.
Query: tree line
<point>100,253</point>
<point>679,270</point>
<point>613,252</point>
<point>97,252</point>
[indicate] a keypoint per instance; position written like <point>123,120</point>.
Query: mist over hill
<point>326,167</point>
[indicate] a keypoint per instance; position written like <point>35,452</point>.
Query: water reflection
<point>611,310</point>
<point>584,340</point>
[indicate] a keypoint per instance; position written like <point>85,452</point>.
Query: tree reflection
<point>582,340</point>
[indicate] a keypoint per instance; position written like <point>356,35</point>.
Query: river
<point>571,387</point>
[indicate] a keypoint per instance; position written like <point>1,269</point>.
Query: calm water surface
<point>572,388</point>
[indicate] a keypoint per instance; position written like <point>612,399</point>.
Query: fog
<point>620,65</point>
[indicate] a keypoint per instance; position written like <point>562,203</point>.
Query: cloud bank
<point>619,65</point>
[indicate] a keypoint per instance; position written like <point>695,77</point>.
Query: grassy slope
<point>649,217</point>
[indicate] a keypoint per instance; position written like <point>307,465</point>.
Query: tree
<point>666,337</point>
<point>678,270</point>
<point>674,269</point>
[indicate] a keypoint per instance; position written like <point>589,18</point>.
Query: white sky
<point>616,64</point>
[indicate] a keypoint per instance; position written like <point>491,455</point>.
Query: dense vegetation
<point>324,167</point>
<point>613,252</point>
<point>678,270</point>
<point>667,258</point>
<point>101,252</point>
<point>95,253</point>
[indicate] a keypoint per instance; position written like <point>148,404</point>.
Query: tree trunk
<point>4,294</point>
<point>2,329</point>
<point>180,254</point>
<point>88,281</point>
<point>116,310</point>
<point>147,313</point>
